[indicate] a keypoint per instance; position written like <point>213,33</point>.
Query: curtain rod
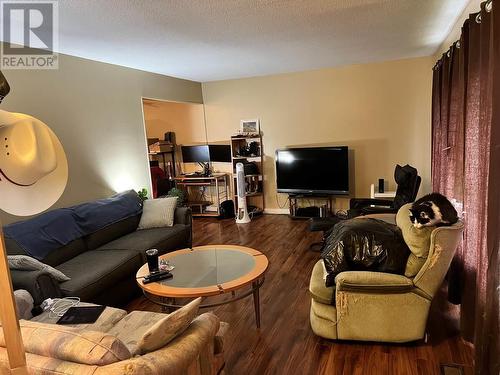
<point>488,6</point>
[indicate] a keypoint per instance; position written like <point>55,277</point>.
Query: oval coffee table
<point>211,270</point>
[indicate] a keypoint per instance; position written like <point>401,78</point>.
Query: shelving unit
<point>254,182</point>
<point>164,150</point>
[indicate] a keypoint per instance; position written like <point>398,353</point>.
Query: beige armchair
<point>376,306</point>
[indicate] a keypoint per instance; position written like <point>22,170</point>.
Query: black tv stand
<point>306,212</point>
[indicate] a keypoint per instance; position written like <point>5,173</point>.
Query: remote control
<point>157,277</point>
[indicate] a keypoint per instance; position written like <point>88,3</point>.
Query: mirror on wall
<point>181,157</point>
<point>169,126</point>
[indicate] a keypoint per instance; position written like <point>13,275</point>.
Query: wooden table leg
<point>170,301</point>
<point>256,302</point>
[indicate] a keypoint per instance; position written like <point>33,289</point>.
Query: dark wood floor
<point>285,344</point>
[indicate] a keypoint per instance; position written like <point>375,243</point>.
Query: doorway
<point>168,125</point>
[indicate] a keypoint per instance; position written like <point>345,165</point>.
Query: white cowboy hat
<point>33,165</point>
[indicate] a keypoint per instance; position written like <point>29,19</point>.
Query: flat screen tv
<point>314,170</point>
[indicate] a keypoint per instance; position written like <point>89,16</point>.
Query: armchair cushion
<point>376,282</point>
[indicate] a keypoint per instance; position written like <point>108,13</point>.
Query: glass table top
<point>208,267</point>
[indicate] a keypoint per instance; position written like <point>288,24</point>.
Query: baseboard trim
<point>277,211</point>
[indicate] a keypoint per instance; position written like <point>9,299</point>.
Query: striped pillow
<point>167,329</point>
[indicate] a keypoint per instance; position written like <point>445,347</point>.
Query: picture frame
<point>250,126</point>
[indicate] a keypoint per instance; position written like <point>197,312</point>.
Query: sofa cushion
<point>112,232</point>
<point>65,253</point>
<point>317,288</point>
<point>132,327</point>
<point>167,329</point>
<point>94,271</point>
<point>163,239</point>
<point>70,344</point>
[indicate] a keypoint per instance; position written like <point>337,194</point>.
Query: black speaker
<point>311,211</point>
<point>170,137</point>
<point>227,210</point>
<point>380,185</point>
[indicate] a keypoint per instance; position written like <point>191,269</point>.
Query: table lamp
<point>33,176</point>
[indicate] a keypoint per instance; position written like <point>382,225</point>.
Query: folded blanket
<point>51,230</point>
<point>364,245</point>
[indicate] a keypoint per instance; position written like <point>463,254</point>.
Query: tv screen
<point>195,154</point>
<point>315,170</point>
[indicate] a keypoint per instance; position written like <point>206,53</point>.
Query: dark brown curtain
<point>466,167</point>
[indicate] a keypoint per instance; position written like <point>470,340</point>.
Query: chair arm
<point>193,349</point>
<point>388,218</point>
<point>38,283</point>
<point>373,282</point>
<point>365,202</point>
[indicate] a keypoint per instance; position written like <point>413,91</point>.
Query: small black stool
<point>323,224</point>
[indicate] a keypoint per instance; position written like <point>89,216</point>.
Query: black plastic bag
<point>364,245</point>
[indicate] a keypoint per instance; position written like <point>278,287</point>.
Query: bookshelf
<point>248,148</point>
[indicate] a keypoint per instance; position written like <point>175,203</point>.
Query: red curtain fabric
<point>465,167</point>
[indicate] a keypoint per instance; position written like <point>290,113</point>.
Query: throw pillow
<point>158,213</point>
<point>418,240</point>
<point>27,263</point>
<point>70,344</point>
<point>167,329</point>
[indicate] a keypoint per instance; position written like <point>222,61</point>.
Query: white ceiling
<point>205,40</point>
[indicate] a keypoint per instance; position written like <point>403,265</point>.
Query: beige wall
<point>381,111</point>
<point>96,111</point>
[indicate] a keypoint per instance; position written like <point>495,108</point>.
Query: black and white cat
<point>433,210</point>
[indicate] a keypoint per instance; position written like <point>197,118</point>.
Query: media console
<point>305,212</point>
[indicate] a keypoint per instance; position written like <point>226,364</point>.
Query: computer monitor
<point>195,154</point>
<point>220,153</point>
<point>206,154</point>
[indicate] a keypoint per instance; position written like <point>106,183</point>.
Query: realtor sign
<point>29,34</point>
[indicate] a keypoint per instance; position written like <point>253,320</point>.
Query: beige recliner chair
<point>377,306</point>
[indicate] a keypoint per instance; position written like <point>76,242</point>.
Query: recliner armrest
<point>387,217</point>
<point>373,282</point>
<point>38,283</point>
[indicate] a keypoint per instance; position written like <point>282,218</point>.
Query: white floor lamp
<point>33,175</point>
